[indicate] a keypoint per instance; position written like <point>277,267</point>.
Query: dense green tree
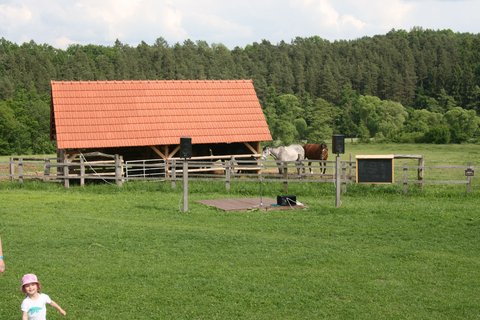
<point>365,111</point>
<point>32,123</point>
<point>463,124</point>
<point>284,131</point>
<point>301,129</point>
<point>9,126</point>
<point>288,115</point>
<point>421,121</point>
<point>320,116</point>
<point>346,121</point>
<point>391,119</point>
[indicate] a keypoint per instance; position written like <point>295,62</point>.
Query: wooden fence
<point>227,169</point>
<point>51,170</point>
<point>438,175</point>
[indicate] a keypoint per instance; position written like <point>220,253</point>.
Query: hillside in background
<point>416,86</point>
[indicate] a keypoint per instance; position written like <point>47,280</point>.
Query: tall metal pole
<point>185,185</point>
<point>338,182</point>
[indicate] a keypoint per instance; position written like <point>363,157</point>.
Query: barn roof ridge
<point>150,81</point>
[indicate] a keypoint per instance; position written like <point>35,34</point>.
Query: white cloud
<point>14,16</point>
<point>61,23</point>
<point>353,18</point>
<point>348,20</point>
<point>135,20</point>
<point>62,42</point>
<point>326,19</point>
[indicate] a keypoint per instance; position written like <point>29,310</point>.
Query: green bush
<point>437,135</point>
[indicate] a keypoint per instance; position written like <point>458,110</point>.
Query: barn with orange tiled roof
<point>146,119</point>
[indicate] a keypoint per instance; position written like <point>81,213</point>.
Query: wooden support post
<point>343,177</point>
<point>60,159</point>
<point>228,173</point>
<point>421,170</point>
<point>82,171</point>
<point>469,179</point>
<point>350,167</point>
<point>118,170</point>
<point>66,173</point>
<point>20,170</point>
<point>232,162</point>
<point>122,167</point>
<point>173,174</point>
<point>46,170</point>
<point>12,169</point>
<point>405,179</point>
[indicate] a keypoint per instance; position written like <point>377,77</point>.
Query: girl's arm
<point>24,315</point>
<point>2,263</point>
<point>56,306</point>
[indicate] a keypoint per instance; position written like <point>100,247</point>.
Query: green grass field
<point>104,252</point>
<point>444,154</point>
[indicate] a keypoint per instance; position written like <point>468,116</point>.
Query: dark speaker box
<point>338,143</point>
<point>185,147</point>
<point>287,200</point>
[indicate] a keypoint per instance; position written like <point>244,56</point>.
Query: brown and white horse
<point>315,151</point>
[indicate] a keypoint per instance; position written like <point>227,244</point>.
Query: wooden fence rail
<point>117,171</point>
<point>439,179</point>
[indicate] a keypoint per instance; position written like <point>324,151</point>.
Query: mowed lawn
<point>104,252</point>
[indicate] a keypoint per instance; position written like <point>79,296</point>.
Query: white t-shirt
<point>36,309</point>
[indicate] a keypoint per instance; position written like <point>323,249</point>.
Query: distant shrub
<point>438,135</point>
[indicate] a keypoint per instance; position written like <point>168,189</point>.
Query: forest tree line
<point>415,86</point>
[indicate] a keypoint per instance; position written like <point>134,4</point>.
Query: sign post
<point>338,181</point>
<point>338,146</point>
<point>185,185</point>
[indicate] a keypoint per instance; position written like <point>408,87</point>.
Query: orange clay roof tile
<point>102,114</point>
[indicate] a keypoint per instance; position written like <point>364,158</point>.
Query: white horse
<point>293,152</point>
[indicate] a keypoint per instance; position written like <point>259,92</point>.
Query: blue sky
<point>232,23</point>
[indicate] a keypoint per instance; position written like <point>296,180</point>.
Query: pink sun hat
<point>29,278</point>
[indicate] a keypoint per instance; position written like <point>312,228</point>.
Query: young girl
<point>34,304</point>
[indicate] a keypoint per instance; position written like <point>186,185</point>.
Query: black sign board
<point>375,169</point>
